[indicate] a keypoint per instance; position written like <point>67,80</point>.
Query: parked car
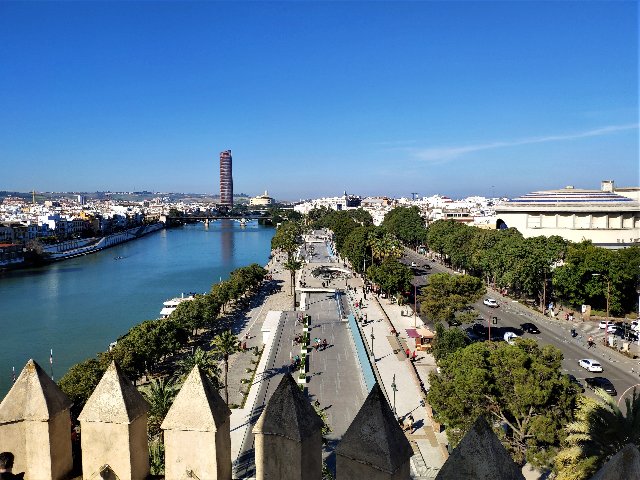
<point>590,364</point>
<point>414,264</point>
<point>612,328</point>
<point>510,338</point>
<point>490,302</point>
<point>603,383</point>
<point>635,326</point>
<point>576,382</point>
<point>603,324</point>
<point>529,328</point>
<point>426,266</point>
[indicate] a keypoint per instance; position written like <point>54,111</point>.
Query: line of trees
<point>373,250</point>
<point>146,344</point>
<point>579,273</point>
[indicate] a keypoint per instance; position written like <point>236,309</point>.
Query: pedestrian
<point>413,356</point>
<point>408,352</point>
<point>6,467</point>
<point>590,342</point>
<point>324,343</point>
<point>244,346</point>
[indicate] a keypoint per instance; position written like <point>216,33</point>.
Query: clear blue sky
<point>456,98</point>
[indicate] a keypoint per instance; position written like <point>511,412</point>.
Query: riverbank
<point>78,306</point>
<point>98,244</point>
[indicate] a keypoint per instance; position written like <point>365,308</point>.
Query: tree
<point>160,394</point>
<point>384,246</point>
<point>520,388</point>
<point>293,266</point>
<point>406,224</point>
<point>225,345</point>
<point>600,430</point>
<point>205,360</point>
<point>446,294</point>
<point>392,276</point>
<point>80,382</point>
<point>447,341</point>
<point>356,247</point>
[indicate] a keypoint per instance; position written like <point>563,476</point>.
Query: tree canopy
<point>406,224</point>
<point>446,294</point>
<point>520,388</point>
<point>391,275</point>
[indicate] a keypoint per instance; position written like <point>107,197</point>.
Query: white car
<point>635,326</point>
<point>612,328</point>
<point>590,365</point>
<point>490,302</point>
<point>604,323</point>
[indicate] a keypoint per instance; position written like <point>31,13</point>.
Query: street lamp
<point>606,328</point>
<point>415,303</point>
<point>372,338</point>
<point>395,389</point>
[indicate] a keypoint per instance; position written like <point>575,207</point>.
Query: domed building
<point>605,217</point>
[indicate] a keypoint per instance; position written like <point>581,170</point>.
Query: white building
<point>602,216</point>
<point>261,200</point>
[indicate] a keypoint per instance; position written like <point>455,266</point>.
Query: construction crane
<point>414,195</point>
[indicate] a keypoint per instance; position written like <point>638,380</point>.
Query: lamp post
<point>395,389</point>
<point>372,338</point>
<point>415,303</point>
<point>606,328</point>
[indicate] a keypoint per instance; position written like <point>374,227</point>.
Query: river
<point>77,307</point>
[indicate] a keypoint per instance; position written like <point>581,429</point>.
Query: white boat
<point>172,304</point>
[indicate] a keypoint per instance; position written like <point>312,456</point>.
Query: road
<point>623,372</point>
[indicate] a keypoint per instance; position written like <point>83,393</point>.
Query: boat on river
<point>170,305</point>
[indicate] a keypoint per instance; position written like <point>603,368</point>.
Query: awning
<point>413,333</point>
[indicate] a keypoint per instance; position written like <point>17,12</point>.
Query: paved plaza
<point>327,292</point>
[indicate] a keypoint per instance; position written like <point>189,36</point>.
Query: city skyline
<point>462,98</point>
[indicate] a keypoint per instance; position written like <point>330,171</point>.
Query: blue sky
<point>313,98</point>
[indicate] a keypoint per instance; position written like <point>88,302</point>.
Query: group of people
<point>411,356</point>
<point>317,343</point>
<point>295,363</point>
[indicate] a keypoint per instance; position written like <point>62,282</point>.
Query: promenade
<point>338,376</point>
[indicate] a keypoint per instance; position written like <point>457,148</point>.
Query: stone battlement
<point>35,425</point>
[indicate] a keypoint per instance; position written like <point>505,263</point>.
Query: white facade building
<point>602,216</point>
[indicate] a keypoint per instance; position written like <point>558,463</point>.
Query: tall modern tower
<point>226,179</point>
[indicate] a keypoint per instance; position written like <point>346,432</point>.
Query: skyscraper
<point>226,179</point>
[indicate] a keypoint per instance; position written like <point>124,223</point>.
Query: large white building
<point>603,216</point>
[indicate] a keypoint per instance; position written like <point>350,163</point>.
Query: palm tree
<point>224,345</point>
<point>160,394</point>
<point>293,266</point>
<point>205,360</point>
<point>598,433</point>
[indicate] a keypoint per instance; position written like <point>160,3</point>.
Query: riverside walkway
<point>339,376</point>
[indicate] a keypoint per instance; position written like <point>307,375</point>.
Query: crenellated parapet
<point>114,429</point>
<point>35,425</point>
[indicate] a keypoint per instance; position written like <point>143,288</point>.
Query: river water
<point>77,307</point>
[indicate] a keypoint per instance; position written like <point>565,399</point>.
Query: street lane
<point>623,372</point>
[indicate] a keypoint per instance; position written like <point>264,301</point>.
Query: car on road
<point>490,302</point>
<point>529,328</point>
<point>510,338</point>
<point>590,364</point>
<point>603,324</point>
<point>603,383</point>
<point>414,264</point>
<point>576,382</point>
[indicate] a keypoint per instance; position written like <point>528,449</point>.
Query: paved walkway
<point>392,363</point>
<point>335,379</point>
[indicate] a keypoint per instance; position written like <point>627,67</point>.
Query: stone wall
<point>35,425</point>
